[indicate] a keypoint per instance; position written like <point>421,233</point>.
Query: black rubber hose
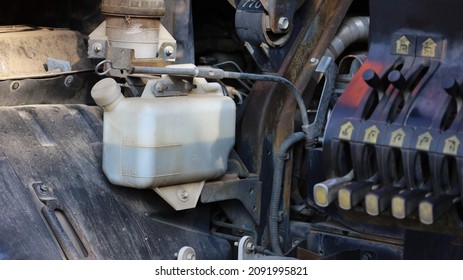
<point>276,189</point>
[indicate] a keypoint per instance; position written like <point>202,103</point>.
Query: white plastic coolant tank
<point>151,142</point>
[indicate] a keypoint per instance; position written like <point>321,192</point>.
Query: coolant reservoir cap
<point>106,92</point>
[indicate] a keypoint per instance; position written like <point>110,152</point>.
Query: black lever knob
<point>397,80</point>
<point>451,86</point>
<point>371,78</point>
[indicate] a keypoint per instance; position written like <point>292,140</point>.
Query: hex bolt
<point>97,47</point>
<point>283,23</point>
<point>314,60</point>
<point>168,51</point>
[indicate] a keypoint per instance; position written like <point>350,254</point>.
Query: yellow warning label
<point>371,134</point>
<point>429,48</point>
<point>451,145</point>
<point>346,131</point>
<point>402,45</point>
<point>424,141</point>
<point>397,138</point>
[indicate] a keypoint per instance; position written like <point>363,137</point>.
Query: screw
<point>68,81</point>
<point>43,188</point>
<point>314,60</point>
<point>283,23</point>
<point>15,85</point>
<point>182,194</point>
<point>168,51</point>
<point>97,47</point>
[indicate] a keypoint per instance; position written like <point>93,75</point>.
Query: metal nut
<point>283,23</point>
<point>250,247</point>
<point>97,47</point>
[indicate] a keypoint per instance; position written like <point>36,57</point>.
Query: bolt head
<point>283,23</point>
<point>182,194</point>
<point>250,247</point>
<point>314,60</point>
<point>97,47</point>
<point>169,51</point>
<point>15,85</point>
<point>43,188</point>
<point>159,87</point>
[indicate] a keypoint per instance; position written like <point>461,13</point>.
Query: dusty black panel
<point>51,164</point>
<point>23,233</point>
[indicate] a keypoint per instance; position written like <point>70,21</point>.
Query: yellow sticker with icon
<point>397,138</point>
<point>424,141</point>
<point>451,145</point>
<point>402,45</point>
<point>371,134</point>
<point>346,131</point>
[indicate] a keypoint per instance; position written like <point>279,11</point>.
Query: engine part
<point>252,26</point>
<point>399,120</point>
<point>268,39</point>
<point>280,14</point>
<point>218,74</point>
<point>171,144</point>
<point>351,30</point>
<point>132,25</point>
